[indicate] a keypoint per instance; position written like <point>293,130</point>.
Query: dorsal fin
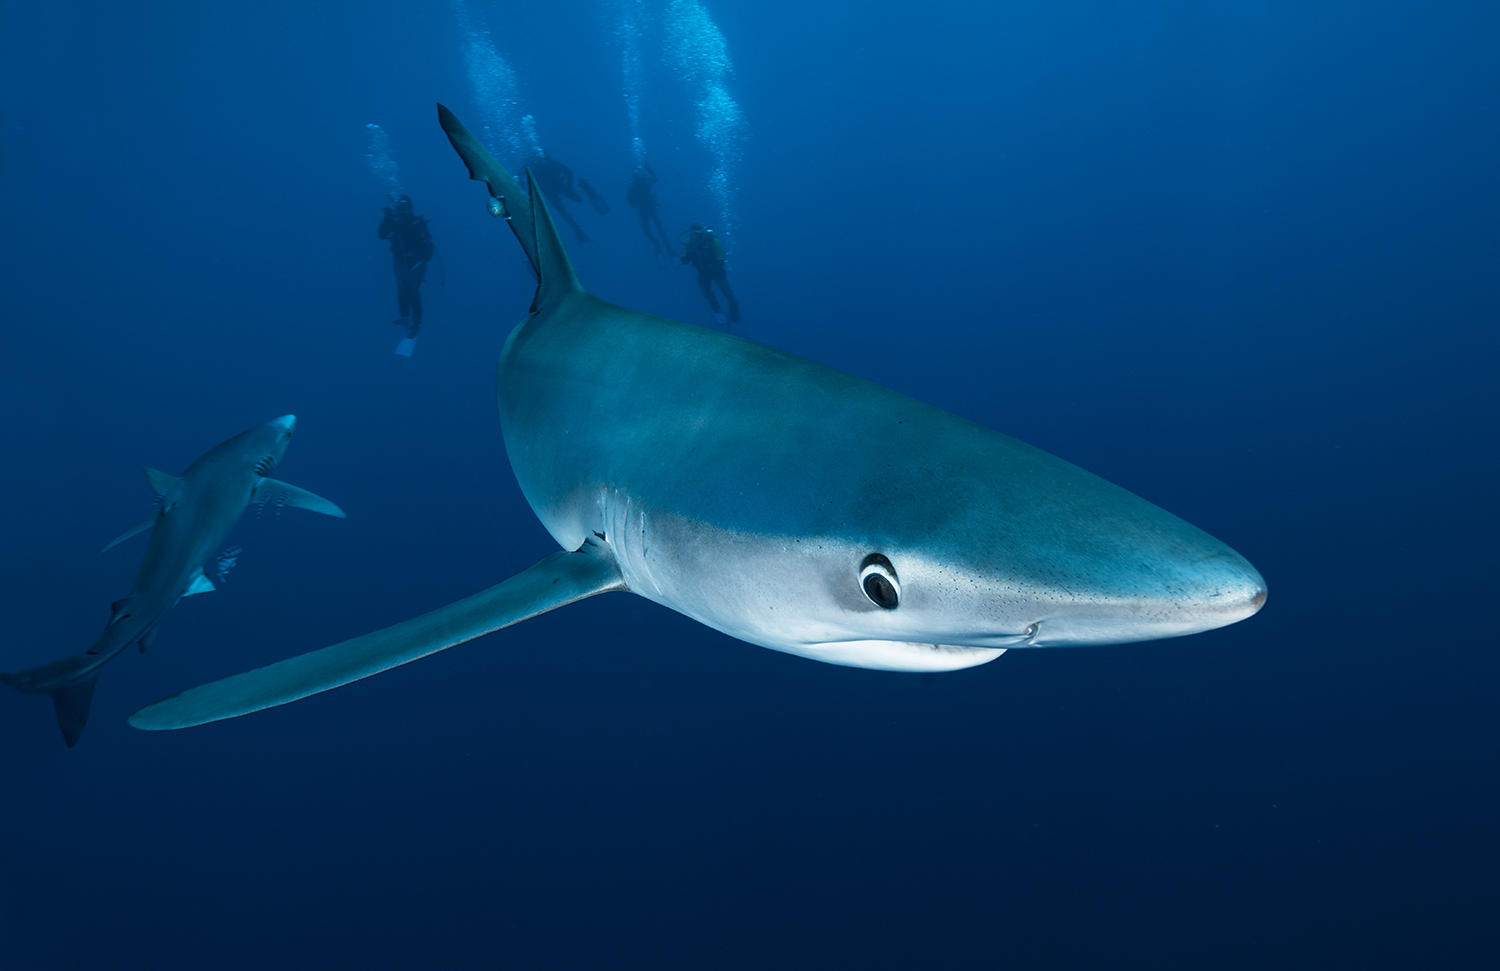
<point>556,280</point>
<point>161,483</point>
<point>515,206</point>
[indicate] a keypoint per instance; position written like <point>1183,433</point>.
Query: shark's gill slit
<point>878,580</point>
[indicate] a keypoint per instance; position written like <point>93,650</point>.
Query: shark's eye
<point>878,580</point>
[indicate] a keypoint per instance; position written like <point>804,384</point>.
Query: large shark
<point>193,515</point>
<point>780,501</point>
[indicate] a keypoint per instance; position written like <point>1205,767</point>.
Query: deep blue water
<point>1241,258</point>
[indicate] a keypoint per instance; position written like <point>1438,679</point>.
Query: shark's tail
<point>514,204</point>
<point>527,215</point>
<point>70,682</point>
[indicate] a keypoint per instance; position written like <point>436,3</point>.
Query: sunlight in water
<point>496,91</point>
<point>387,172</point>
<point>697,53</point>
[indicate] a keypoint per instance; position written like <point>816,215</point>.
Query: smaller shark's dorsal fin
<point>199,584</point>
<point>161,483</point>
<point>515,206</point>
<point>556,280</point>
<point>139,527</point>
<point>281,494</point>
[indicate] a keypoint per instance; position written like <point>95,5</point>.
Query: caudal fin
<point>514,204</point>
<point>72,705</point>
<point>70,682</point>
<point>527,215</point>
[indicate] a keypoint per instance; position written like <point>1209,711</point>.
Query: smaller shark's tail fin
<point>556,278</point>
<point>70,682</point>
<point>514,204</point>
<point>72,705</point>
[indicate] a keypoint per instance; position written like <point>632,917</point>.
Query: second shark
<point>194,514</point>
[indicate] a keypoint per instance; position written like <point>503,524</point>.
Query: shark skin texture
<point>780,501</point>
<point>193,516</point>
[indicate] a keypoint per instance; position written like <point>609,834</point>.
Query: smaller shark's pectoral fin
<point>199,584</point>
<point>281,494</point>
<point>554,582</point>
<point>145,642</point>
<point>139,527</point>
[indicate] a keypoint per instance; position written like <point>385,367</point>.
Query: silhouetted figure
<point>556,182</point>
<point>411,251</point>
<point>642,198</point>
<point>703,250</point>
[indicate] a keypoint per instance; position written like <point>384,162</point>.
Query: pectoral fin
<point>282,494</point>
<point>139,527</point>
<point>199,584</point>
<point>556,581</point>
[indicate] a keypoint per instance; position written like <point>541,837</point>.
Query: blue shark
<point>193,515</point>
<point>780,501</point>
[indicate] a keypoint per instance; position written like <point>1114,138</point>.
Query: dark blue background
<point>1238,257</point>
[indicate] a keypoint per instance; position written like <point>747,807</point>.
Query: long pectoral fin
<point>556,581</point>
<point>282,494</point>
<point>139,527</point>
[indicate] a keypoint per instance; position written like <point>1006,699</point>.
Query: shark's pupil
<point>879,589</point>
<point>878,579</point>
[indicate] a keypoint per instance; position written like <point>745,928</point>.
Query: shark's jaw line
<point>753,490</point>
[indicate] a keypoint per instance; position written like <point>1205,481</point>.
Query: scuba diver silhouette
<point>556,182</point>
<point>704,251</point>
<point>411,250</point>
<point>642,198</point>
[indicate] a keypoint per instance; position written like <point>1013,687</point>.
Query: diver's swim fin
<point>407,345</point>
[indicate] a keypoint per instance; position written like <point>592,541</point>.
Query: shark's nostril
<point>1259,600</point>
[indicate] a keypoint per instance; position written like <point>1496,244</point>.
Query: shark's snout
<point>1250,593</point>
<point>288,422</point>
<point>1165,596</point>
<point>1222,590</point>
